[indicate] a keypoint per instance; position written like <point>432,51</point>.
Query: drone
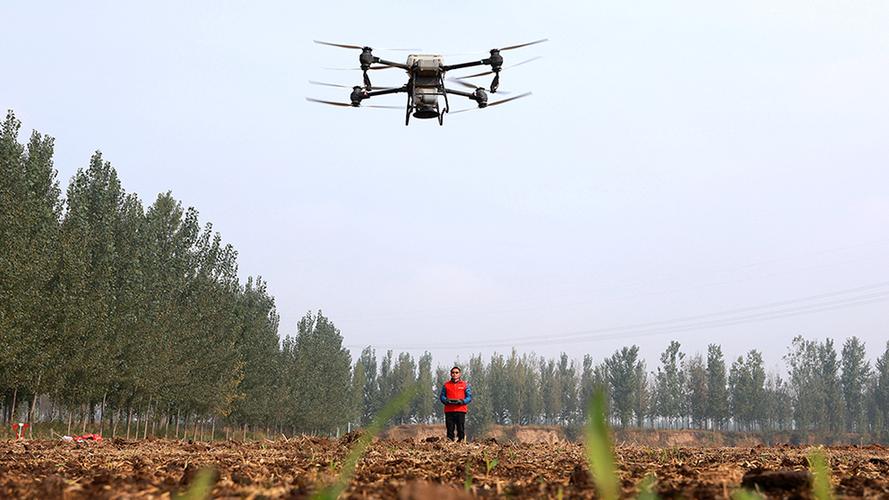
<point>426,82</point>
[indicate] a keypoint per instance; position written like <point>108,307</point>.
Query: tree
<point>403,377</point>
<point>321,375</point>
<point>427,400</point>
<point>881,394</point>
<point>551,391</point>
<point>623,368</point>
<point>670,382</point>
<point>88,284</point>
<point>829,375</point>
<point>29,224</point>
<point>747,391</point>
<point>568,384</point>
<point>698,392</point>
<point>371,401</point>
<point>480,415</point>
<point>717,393</point>
<point>855,372</point>
<point>808,395</point>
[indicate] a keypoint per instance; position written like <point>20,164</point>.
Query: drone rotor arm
<point>394,90</point>
<point>450,67</point>
<point>470,95</point>
<point>389,64</point>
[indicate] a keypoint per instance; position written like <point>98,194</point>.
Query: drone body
<point>427,95</point>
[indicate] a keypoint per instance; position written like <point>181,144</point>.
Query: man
<point>455,395</point>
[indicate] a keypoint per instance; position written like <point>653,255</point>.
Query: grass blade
<point>394,406</point>
<point>599,449</point>
<point>821,474</point>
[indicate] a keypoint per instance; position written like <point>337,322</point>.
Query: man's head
<point>455,374</point>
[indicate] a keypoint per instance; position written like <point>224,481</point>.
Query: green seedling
<point>746,495</point>
<point>821,474</point>
<point>598,448</point>
<point>646,488</point>
<point>490,463</point>
<point>200,488</point>
<point>467,479</point>
<point>394,406</point>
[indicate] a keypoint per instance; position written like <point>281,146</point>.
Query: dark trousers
<point>455,421</point>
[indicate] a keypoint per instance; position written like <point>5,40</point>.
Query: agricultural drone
<point>425,82</point>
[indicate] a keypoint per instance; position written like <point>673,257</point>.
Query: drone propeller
<point>359,47</point>
<point>526,94</point>
<point>524,44</point>
<point>347,105</point>
<point>486,73</point>
<point>325,84</point>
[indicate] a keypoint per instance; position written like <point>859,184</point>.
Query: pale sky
<point>677,160</point>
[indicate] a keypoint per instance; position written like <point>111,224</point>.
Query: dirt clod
<point>771,480</point>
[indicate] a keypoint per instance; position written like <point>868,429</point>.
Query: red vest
<point>455,391</point>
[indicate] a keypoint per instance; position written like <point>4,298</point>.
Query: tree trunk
<point>213,429</point>
<point>129,419</point>
<point>178,414</point>
<point>147,411</point>
<point>70,418</point>
<point>115,418</point>
<point>15,393</point>
<point>83,422</point>
<point>102,415</point>
<point>34,402</point>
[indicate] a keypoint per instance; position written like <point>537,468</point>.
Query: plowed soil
<point>430,468</point>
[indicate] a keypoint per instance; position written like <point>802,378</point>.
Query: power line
<point>840,299</point>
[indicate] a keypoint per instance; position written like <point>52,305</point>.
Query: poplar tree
<point>881,395</point>
<point>427,399</point>
<point>622,368</point>
<point>855,372</point>
<point>480,415</point>
<point>717,393</point>
<point>670,383</point>
<point>320,375</point>
<point>371,400</point>
<point>30,209</point>
<point>697,391</point>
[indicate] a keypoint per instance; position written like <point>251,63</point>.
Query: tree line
<point>131,320</point>
<point>118,316</point>
<point>824,390</point>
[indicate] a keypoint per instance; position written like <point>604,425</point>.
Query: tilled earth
<point>297,467</point>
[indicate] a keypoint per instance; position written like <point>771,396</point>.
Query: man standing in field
<point>455,396</point>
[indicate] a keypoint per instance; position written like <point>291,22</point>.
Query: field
<point>425,468</point>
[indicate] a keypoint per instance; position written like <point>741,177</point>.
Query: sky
<point>692,170</point>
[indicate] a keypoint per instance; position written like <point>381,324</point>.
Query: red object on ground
<point>19,430</point>
<point>88,437</point>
